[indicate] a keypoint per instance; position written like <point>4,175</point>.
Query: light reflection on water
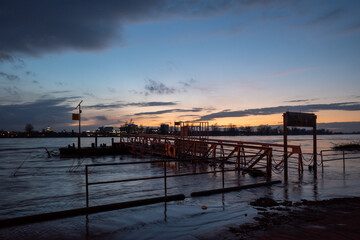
<point>33,183</point>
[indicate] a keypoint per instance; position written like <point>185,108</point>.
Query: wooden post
<point>165,183</point>
<point>79,106</point>
<point>295,119</point>
<point>214,155</point>
<point>79,143</point>
<point>223,176</point>
<point>87,186</point>
<point>238,159</point>
<point>322,161</point>
<point>314,150</point>
<point>285,149</point>
<point>269,165</point>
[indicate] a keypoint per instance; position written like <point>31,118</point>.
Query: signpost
<point>77,116</point>
<point>296,119</point>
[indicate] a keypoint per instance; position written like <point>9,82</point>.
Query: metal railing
<point>207,150</point>
<point>164,176</point>
<point>337,156</point>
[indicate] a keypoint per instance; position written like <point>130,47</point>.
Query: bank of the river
<point>336,218</point>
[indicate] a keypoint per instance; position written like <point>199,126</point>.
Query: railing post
<point>214,156</point>
<point>223,176</point>
<point>285,149</point>
<point>238,159</point>
<point>344,160</point>
<point>87,186</point>
<point>322,161</point>
<point>165,184</point>
<point>269,165</point>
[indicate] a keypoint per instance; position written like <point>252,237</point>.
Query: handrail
<point>208,140</point>
<point>343,158</point>
<point>165,176</point>
<point>187,147</point>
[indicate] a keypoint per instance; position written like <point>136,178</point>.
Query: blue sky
<point>239,62</point>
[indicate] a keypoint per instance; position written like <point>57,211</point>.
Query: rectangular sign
<point>296,119</point>
<point>75,116</point>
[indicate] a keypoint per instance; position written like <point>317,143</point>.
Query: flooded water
<point>33,182</point>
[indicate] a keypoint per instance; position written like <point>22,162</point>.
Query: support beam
<point>85,211</point>
<point>230,189</point>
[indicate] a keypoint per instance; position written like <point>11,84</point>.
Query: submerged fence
<point>165,176</point>
<point>335,155</point>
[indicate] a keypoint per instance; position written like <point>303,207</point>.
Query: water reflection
<point>87,227</point>
<point>165,211</point>
<point>44,185</point>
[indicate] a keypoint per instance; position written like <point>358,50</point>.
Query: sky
<point>241,62</point>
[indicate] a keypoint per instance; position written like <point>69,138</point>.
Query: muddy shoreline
<point>336,218</point>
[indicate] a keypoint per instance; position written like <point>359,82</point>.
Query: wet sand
<point>337,218</point>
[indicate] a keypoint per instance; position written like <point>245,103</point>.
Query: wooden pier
<point>218,152</point>
<point>243,155</point>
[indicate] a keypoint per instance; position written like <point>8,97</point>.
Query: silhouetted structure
<point>164,129</point>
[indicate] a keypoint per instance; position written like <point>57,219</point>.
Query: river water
<point>33,182</point>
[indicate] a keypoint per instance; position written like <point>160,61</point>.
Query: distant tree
<point>264,130</point>
<point>246,130</point>
<point>231,129</point>
<point>141,129</point>
<point>215,129</point>
<point>29,128</point>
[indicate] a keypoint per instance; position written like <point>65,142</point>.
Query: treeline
<point>214,130</point>
<point>34,134</point>
<point>262,130</point>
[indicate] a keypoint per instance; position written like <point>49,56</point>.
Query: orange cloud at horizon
<point>324,116</point>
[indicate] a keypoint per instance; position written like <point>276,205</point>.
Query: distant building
<point>164,129</point>
<point>129,128</point>
<point>105,129</point>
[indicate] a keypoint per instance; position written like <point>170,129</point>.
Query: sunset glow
<point>242,62</point>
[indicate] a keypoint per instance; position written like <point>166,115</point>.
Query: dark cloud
<point>169,111</point>
<point>60,83</point>
<point>346,127</point>
<point>104,106</point>
<point>189,115</point>
<point>41,113</point>
<point>16,62</point>
<point>101,118</point>
<point>41,26</point>
<point>112,90</point>
<point>352,28</point>
<point>121,105</point>
<point>297,100</point>
<point>60,92</point>
<point>30,73</point>
<point>326,17</point>
<point>188,83</point>
<point>13,91</point>
<point>345,106</point>
<point>89,94</point>
<point>4,57</point>
<point>9,77</point>
<point>156,87</point>
<point>151,104</point>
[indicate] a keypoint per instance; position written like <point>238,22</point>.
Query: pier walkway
<point>243,155</point>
